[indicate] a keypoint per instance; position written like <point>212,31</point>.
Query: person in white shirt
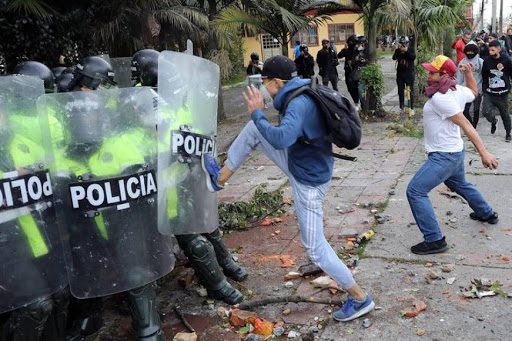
<point>442,118</point>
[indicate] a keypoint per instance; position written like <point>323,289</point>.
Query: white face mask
<point>267,99</point>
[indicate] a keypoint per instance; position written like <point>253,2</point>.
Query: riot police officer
<point>139,61</point>
<point>109,251</point>
<point>32,271</point>
<point>355,58</point>
<point>206,252</point>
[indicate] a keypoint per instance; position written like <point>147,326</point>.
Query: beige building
<point>339,29</point>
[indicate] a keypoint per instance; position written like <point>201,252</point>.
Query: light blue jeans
<point>448,168</point>
<point>308,203</point>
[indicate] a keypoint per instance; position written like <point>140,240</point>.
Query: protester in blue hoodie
<point>307,165</point>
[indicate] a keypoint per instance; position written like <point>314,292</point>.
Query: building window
<point>270,42</point>
<point>340,32</point>
<point>307,36</point>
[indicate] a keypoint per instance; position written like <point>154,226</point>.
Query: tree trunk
<point>284,46</point>
<point>372,36</point>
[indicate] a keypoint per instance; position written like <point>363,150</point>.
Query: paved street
<point>365,194</point>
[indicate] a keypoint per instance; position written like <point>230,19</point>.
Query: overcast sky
<point>507,9</point>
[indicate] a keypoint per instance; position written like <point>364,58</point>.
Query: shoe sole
<point>360,313</point>
<point>492,222</point>
<point>209,184</point>
<point>443,249</point>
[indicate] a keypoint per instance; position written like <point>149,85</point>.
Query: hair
<point>297,42</point>
<point>494,35</point>
<point>495,43</point>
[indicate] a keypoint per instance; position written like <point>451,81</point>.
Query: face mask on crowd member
<point>471,50</point>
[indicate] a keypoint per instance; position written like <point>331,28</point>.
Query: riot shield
<point>122,71</point>
<point>105,185</point>
<point>188,87</point>
<point>31,260</point>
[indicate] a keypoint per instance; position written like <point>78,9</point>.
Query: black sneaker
<point>508,138</point>
<point>426,248</point>
<point>492,219</point>
<point>493,126</point>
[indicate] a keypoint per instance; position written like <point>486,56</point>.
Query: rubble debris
<point>185,337</point>
<point>239,318</point>
<point>367,323</point>
<point>286,312</point>
<point>292,334</point>
<point>261,327</point>
<point>288,284</point>
<point>292,275</point>
<point>186,278</point>
<point>366,236</point>
<point>418,306</point>
<point>421,332</point>
<point>450,280</point>
<point>447,268</point>
<point>433,275</point>
<point>287,261</point>
<point>278,331</point>
<point>322,282</point>
<point>483,287</point>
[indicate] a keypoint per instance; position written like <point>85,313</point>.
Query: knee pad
<point>199,248</point>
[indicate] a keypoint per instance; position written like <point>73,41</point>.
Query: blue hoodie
<point>310,164</point>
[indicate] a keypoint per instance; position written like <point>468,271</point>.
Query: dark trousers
<point>403,80</point>
<point>476,110</point>
<point>352,87</point>
<point>490,103</point>
<point>330,77</point>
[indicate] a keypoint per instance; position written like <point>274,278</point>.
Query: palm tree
<point>37,8</point>
<point>280,18</point>
<point>132,25</point>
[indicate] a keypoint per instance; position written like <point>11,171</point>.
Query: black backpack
<point>340,116</point>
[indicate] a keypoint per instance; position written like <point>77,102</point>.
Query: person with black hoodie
<point>496,73</point>
<point>404,70</point>
<point>305,63</point>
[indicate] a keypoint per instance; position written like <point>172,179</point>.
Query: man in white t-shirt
<point>442,118</point>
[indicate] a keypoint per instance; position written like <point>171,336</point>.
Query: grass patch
<point>240,215</point>
<point>234,80</point>
<point>382,54</point>
<point>408,128</point>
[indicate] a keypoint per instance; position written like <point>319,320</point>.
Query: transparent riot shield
<point>122,71</point>
<point>31,260</point>
<point>188,87</point>
<point>105,186</point>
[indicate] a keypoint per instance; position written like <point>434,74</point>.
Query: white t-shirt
<point>441,134</point>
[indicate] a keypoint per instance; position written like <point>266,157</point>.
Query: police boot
<point>86,318</point>
<point>225,259</point>
<point>27,323</point>
<point>201,255</point>
<point>145,317</point>
<point>55,328</point>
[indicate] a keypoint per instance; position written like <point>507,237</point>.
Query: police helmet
<point>93,72</point>
<point>362,40</point>
<point>403,40</point>
<point>57,71</point>
<point>63,81</point>
<point>140,59</point>
<point>255,56</point>
<point>352,40</point>
<point>36,69</point>
<point>304,48</point>
<point>149,74</point>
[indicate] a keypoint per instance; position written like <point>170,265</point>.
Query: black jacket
<point>305,65</point>
<point>496,75</point>
<point>327,62</point>
<point>405,61</point>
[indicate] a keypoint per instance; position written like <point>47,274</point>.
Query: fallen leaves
<point>417,307</point>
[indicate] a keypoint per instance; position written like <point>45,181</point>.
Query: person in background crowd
<point>296,49</point>
<point>327,62</point>
<point>404,70</point>
<point>459,43</point>
<point>483,50</point>
<point>471,52</point>
<point>496,73</point>
<point>254,67</point>
<point>305,63</point>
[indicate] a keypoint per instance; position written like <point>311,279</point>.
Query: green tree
<point>279,18</point>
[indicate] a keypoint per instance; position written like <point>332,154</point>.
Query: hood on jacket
<point>290,86</point>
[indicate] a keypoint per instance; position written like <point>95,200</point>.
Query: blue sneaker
<point>212,170</point>
<point>353,309</point>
